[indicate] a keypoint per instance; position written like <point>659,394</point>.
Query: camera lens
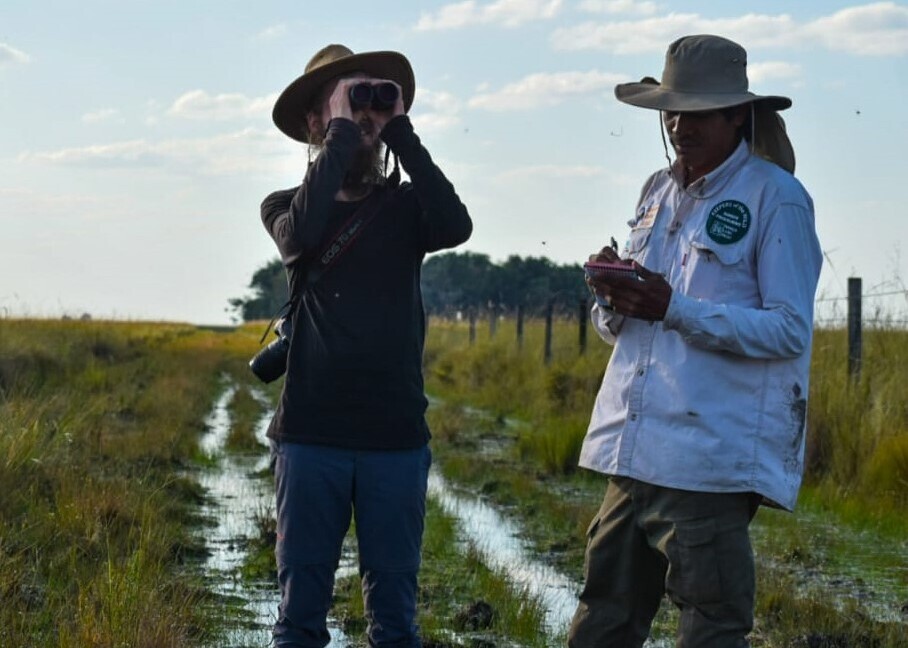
<point>360,96</point>
<point>385,96</point>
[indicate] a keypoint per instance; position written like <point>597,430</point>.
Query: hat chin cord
<point>671,166</point>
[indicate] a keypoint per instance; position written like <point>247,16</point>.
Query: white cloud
<point>272,32</point>
<point>654,34</point>
<point>879,29</point>
<point>435,111</point>
<point>875,29</point>
<point>509,13</point>
<point>9,55</point>
<point>769,70</point>
<point>105,114</point>
<point>545,89</point>
<point>247,151</point>
<point>645,8</point>
<point>198,104</point>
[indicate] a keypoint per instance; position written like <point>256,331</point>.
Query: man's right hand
<point>606,255</point>
<point>339,101</point>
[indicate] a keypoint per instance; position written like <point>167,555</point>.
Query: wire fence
<point>878,307</point>
<point>889,311</point>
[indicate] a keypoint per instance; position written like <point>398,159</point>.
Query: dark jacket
<point>354,375</point>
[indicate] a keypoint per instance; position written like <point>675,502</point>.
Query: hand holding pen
<point>641,293</point>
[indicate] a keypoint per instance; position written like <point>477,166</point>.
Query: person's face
<point>333,101</point>
<point>703,140</point>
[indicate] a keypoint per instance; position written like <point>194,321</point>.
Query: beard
<point>366,168</point>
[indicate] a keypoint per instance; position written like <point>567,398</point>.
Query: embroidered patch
<point>649,217</point>
<point>728,222</point>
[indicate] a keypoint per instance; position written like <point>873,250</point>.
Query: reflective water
<point>236,498</point>
<point>498,539</point>
<point>499,543</point>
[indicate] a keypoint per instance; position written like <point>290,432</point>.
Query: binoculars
<point>381,96</point>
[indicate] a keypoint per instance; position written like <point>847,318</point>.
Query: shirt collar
<point>713,181</point>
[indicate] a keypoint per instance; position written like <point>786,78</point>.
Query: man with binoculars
<point>349,435</point>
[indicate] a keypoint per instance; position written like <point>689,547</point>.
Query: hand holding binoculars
<point>380,96</point>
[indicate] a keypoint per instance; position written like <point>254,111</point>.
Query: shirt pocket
<point>712,270</point>
<point>637,244</point>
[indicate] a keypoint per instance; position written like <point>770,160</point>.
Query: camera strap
<point>330,253</point>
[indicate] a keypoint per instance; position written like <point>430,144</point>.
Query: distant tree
<point>269,293</point>
<point>534,281</point>
<point>456,282</point>
<point>451,282</point>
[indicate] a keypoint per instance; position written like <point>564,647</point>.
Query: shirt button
<point>639,372</point>
<point>633,417</point>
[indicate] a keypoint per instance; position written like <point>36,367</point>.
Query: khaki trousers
<point>647,541</point>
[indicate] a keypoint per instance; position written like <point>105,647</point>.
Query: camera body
<point>381,96</point>
<point>270,363</point>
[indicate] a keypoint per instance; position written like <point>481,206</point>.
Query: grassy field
<point>98,421</point>
<point>857,429</point>
<point>99,514</point>
<point>534,416</point>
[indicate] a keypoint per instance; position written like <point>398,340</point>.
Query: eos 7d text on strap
<point>270,363</point>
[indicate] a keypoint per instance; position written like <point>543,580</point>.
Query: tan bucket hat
<point>706,72</point>
<point>333,61</point>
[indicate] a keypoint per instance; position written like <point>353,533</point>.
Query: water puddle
<point>499,543</point>
<point>502,548</point>
<point>236,498</point>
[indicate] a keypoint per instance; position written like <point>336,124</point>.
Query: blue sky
<point>137,141</point>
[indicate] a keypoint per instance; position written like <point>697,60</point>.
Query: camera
<point>270,363</point>
<point>381,96</point>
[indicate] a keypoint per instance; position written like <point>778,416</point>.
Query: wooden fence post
<point>472,316</point>
<point>583,316</point>
<point>520,326</point>
<point>547,353</point>
<point>854,327</point>
<point>493,320</point>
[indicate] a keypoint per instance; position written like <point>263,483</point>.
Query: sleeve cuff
<point>680,309</point>
<point>397,130</point>
<point>341,128</point>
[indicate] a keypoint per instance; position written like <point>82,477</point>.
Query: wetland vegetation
<point>103,514</point>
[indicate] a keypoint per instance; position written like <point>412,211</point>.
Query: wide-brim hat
<point>707,72</point>
<point>701,72</point>
<point>330,62</point>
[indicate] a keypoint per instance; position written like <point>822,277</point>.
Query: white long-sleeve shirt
<point>714,398</point>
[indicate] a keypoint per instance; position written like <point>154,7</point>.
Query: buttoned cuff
<point>680,308</point>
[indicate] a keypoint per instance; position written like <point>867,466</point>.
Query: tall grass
<point>855,480</point>
<point>98,421</point>
<point>498,375</point>
<point>858,427</point>
<point>857,457</point>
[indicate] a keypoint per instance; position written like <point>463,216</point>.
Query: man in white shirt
<point>701,413</point>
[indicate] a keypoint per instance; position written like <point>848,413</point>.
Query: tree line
<point>452,282</point>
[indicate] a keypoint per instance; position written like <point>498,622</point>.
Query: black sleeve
<point>296,218</point>
<point>444,221</point>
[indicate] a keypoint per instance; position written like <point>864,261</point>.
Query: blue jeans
<point>318,489</point>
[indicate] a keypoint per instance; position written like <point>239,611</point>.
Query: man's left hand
<point>646,298</point>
